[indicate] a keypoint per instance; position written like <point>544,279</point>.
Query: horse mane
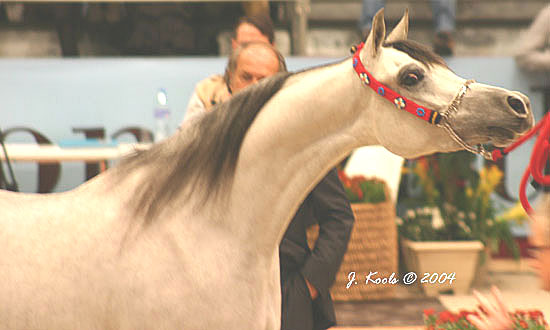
<point>417,51</point>
<point>200,160</point>
<point>202,157</point>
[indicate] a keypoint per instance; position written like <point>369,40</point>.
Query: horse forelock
<point>200,160</point>
<point>417,51</point>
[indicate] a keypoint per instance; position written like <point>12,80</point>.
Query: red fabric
<point>497,154</point>
<point>539,157</point>
<point>389,94</point>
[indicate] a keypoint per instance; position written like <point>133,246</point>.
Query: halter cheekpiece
<point>440,119</point>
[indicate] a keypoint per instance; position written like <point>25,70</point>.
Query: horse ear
<point>401,30</point>
<point>377,34</point>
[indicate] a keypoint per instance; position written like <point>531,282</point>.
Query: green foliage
<point>455,202</point>
<point>362,190</point>
<point>447,320</point>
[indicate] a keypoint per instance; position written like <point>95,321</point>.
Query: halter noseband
<point>433,117</point>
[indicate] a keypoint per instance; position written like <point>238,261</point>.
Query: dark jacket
<point>327,205</point>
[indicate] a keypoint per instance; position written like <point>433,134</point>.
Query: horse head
<point>457,113</point>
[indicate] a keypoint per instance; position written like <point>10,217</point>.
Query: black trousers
<point>299,311</point>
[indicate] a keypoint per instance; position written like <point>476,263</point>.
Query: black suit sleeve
<point>333,211</point>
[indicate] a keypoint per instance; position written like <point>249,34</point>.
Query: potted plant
<point>453,205</point>
<point>359,189</point>
<point>373,242</point>
<point>446,320</point>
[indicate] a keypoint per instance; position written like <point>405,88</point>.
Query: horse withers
<point>186,234</point>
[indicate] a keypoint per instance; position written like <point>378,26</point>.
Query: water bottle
<point>162,116</point>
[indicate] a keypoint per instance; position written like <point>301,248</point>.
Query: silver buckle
<point>446,124</point>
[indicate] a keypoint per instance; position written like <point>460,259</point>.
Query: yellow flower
<point>489,178</point>
<point>516,213</point>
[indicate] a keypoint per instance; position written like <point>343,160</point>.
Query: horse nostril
<point>517,105</point>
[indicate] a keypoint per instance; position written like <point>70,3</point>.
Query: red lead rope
<point>539,157</point>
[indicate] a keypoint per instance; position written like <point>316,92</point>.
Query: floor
<point>518,284</point>
<point>401,312</point>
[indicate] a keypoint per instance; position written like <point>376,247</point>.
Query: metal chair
<point>48,174</point>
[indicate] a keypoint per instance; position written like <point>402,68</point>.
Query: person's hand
<point>495,316</point>
<point>312,291</point>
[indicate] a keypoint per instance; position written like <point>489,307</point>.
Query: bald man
<point>248,63</point>
<point>214,89</point>
<point>252,62</point>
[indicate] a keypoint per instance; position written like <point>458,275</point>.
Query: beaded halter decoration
<point>541,152</point>
<point>440,119</point>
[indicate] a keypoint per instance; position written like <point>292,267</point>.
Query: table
<point>49,156</point>
<point>23,152</point>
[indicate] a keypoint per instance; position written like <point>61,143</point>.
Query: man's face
<point>254,63</point>
<point>247,33</point>
<point>540,241</point>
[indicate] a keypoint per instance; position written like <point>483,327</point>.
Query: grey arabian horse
<point>185,235</point>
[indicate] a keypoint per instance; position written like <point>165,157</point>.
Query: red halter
<point>401,102</point>
<point>440,119</point>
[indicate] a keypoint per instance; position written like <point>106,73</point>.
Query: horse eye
<point>412,78</point>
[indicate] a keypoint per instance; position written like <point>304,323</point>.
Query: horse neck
<point>302,132</point>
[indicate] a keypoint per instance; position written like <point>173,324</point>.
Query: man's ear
<point>401,30</point>
<point>377,34</point>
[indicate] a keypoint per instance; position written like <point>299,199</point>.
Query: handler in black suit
<point>306,276</point>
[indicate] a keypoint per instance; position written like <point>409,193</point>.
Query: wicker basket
<point>372,248</point>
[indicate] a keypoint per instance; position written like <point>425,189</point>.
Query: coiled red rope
<point>539,157</point>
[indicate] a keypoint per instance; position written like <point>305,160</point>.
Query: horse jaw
<point>405,135</point>
<point>484,114</point>
<point>487,117</point>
